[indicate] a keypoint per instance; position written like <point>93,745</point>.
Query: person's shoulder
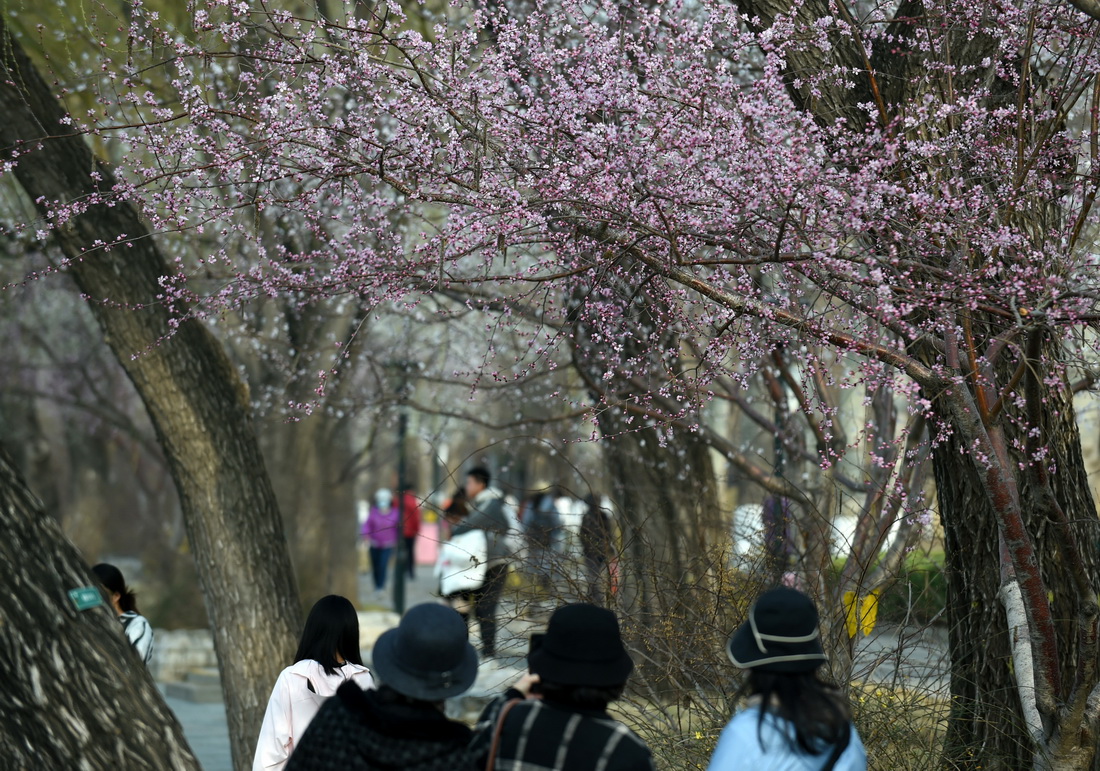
<point>628,744</point>
<point>631,753</point>
<point>738,744</point>
<point>360,676</point>
<point>746,716</point>
<point>303,668</point>
<point>301,671</point>
<point>744,725</point>
<point>854,758</point>
<point>632,738</point>
<point>354,698</point>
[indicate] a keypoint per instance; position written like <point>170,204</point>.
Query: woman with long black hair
<point>328,656</point>
<point>793,720</point>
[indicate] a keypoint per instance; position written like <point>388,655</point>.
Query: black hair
<point>815,709</point>
<point>582,696</point>
<point>458,507</point>
<point>481,474</point>
<point>332,627</point>
<point>111,578</point>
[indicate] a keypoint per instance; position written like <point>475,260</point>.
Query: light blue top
<point>739,747</point>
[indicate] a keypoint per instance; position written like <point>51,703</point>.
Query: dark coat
<point>359,730</point>
<point>545,736</point>
<point>487,513</point>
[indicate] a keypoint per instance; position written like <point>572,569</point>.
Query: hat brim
<point>414,684</point>
<point>553,669</point>
<point>745,654</point>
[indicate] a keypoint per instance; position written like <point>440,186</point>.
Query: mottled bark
<point>75,694</point>
<point>987,729</point>
<point>195,399</point>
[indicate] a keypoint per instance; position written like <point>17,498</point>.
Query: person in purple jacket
<point>380,532</point>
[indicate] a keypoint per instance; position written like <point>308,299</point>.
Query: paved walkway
<point>908,657</point>
<point>206,730</point>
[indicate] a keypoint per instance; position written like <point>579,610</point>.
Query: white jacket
<point>293,705</point>
<point>140,634</point>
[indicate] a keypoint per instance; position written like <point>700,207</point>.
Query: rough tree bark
<point>75,694</point>
<point>986,710</point>
<point>195,399</point>
<point>306,460</point>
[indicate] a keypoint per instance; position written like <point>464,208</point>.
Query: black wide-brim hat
<point>582,646</point>
<point>781,635</point>
<point>428,656</point>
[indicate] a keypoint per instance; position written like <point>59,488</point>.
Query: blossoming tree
<point>901,193</point>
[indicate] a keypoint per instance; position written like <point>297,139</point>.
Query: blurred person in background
<point>411,510</point>
<point>596,546</point>
<point>380,533</point>
<point>122,598</point>
<point>487,513</point>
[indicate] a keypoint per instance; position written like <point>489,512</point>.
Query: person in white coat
<point>328,656</point>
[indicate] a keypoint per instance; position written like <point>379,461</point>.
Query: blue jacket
<point>740,746</point>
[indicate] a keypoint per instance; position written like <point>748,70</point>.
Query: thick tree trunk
<point>307,459</point>
<point>75,694</point>
<point>985,704</point>
<point>197,403</point>
<point>668,509</point>
<point>985,708</point>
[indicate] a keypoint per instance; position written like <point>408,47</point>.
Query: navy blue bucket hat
<point>428,656</point>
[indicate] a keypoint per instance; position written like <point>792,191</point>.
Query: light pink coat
<point>292,706</point>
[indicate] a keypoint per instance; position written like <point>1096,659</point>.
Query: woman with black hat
<point>579,668</point>
<point>425,660</point>
<point>793,720</point>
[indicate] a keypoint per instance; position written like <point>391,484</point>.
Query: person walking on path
<point>487,512</point>
<point>411,510</point>
<point>793,720</point>
<point>426,659</point>
<point>541,523</point>
<point>327,657</point>
<point>380,532</point>
<point>596,546</point>
<point>555,718</point>
<point>122,598</point>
